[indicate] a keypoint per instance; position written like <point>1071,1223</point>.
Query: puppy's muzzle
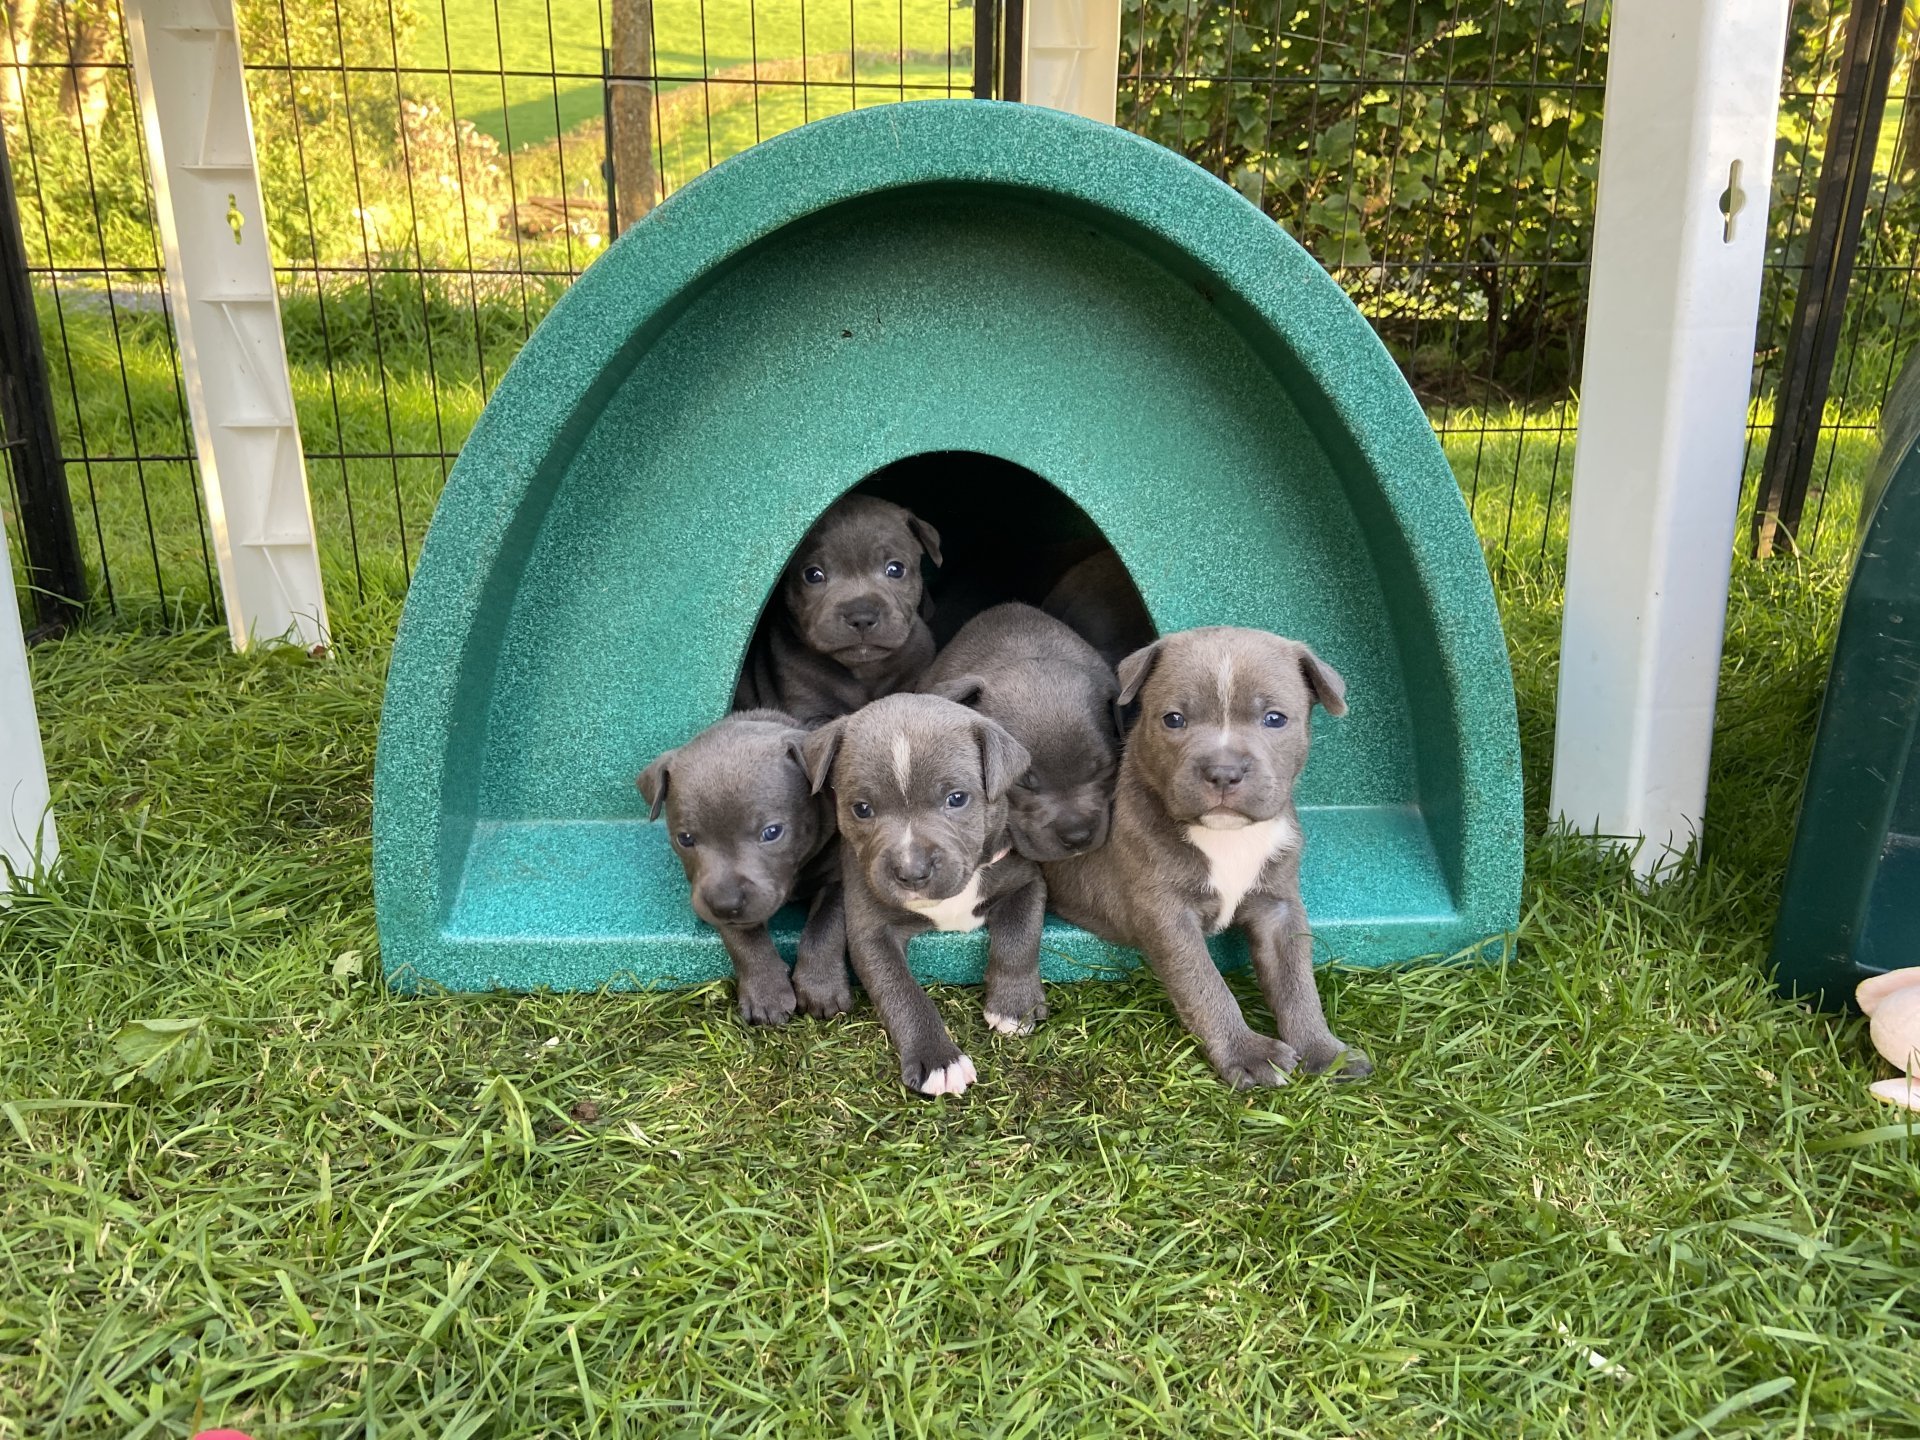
<point>1078,837</point>
<point>734,900</point>
<point>913,868</point>
<point>1224,773</point>
<point>860,617</point>
<point>727,901</point>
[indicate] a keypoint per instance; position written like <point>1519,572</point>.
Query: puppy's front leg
<point>1281,945</point>
<point>820,984</point>
<point>765,992</point>
<point>930,1062</point>
<point>1241,1056</point>
<point>1015,1000</point>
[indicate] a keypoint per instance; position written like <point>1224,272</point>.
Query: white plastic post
<point>1072,59</point>
<point>26,824</point>
<point>1692,91</point>
<point>193,104</point>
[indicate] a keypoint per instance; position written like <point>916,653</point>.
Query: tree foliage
<point>1438,158</point>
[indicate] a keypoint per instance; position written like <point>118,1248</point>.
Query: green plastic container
<point>939,279</point>
<point>1851,908</point>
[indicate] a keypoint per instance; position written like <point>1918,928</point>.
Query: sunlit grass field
<point>847,44</point>
<point>140,521</point>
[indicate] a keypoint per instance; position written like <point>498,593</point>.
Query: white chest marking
<point>1235,859</point>
<point>956,912</point>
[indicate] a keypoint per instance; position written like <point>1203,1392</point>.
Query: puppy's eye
<point>685,837</point>
<point>896,570</point>
<point>1029,781</point>
<point>1174,720</point>
<point>861,810</point>
<point>772,833</point>
<point>956,800</point>
<point>814,575</point>
<point>1273,720</point>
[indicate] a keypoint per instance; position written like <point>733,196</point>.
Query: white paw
<point>1009,1024</point>
<point>950,1079</point>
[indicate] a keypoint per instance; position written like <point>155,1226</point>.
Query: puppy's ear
<point>962,690</point>
<point>1003,759</point>
<point>797,753</point>
<point>928,537</point>
<point>1325,682</point>
<point>1117,713</point>
<point>1133,672</point>
<point>653,783</point>
<point>817,753</point>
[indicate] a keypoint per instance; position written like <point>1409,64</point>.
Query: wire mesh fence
<point>436,174</point>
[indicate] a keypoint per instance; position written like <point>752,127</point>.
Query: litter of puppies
<point>897,790</point>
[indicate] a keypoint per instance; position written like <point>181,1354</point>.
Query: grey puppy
<point>1053,693</point>
<point>846,625</point>
<point>1205,835</point>
<point>1098,600</point>
<point>752,835</point>
<point>920,791</point>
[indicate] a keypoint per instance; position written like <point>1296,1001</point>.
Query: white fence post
<point>26,824</point>
<point>1692,91</point>
<point>1072,59</point>
<point>193,104</point>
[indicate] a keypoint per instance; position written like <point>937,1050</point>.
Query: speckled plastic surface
<point>951,275</point>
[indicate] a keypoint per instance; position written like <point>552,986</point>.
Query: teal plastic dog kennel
<point>1013,318</point>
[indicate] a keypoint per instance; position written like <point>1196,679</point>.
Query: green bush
<point>1440,159</point>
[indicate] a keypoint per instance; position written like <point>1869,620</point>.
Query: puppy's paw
<point>822,991</point>
<point>1336,1060</point>
<point>1015,1008</point>
<point>766,1001</point>
<point>948,1077</point>
<point>1256,1060</point>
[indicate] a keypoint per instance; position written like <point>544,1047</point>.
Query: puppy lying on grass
<point>752,835</point>
<point>920,793</point>
<point>1053,693</point>
<point>1205,836</point>
<point>845,626</point>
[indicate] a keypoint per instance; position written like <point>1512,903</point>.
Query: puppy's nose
<point>726,901</point>
<point>912,870</point>
<point>1076,836</point>
<point>1225,772</point>
<point>861,618</point>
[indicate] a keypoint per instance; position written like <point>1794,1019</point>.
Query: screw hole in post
<point>1731,199</point>
<point>235,220</point>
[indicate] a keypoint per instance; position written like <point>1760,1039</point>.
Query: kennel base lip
<point>931,277</point>
<point>518,910</point>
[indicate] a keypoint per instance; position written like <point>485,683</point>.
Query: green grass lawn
<point>692,38</point>
<point>1610,1187</point>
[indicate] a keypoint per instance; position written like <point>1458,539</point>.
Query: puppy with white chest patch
<point>1205,835</point>
<point>920,793</point>
<point>752,835</point>
<point>1053,693</point>
<point>846,625</point>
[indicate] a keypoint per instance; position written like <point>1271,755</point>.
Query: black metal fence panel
<point>435,176</point>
